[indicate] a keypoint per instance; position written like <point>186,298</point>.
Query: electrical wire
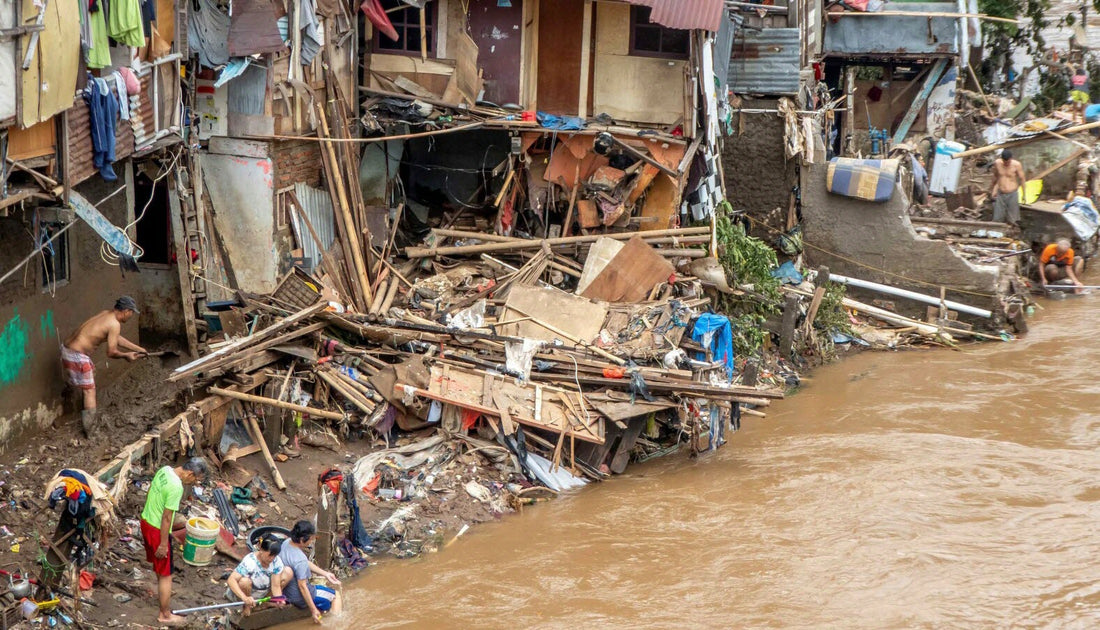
<point>106,252</point>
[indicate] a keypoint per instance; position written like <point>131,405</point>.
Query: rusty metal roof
<point>685,14</point>
<point>765,62</point>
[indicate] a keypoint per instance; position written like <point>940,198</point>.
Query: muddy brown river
<point>923,489</point>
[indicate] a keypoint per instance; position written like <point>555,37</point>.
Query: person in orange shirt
<point>1057,262</point>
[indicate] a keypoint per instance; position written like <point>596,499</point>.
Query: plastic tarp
<point>715,333</point>
<point>1082,216</point>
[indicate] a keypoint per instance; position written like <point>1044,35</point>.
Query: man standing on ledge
<point>161,505</point>
<point>78,348</point>
<point>1008,178</point>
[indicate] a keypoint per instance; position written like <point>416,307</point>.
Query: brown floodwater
<point>895,490</point>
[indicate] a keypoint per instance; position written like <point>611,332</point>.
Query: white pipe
<point>964,41</point>
<point>912,295</point>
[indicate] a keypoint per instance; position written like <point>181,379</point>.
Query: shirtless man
<point>78,348</point>
<point>1008,177</point>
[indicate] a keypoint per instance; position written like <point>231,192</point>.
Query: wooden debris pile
<point>571,366</point>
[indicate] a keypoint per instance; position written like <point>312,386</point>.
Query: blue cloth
<point>871,180</point>
<point>103,114</point>
<point>714,333</point>
<point>561,123</point>
<point>1092,112</point>
<point>787,273</point>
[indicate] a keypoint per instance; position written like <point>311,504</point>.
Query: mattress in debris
<point>871,180</point>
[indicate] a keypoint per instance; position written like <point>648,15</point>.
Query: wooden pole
<point>258,438</point>
<point>320,413</point>
<point>425,252</point>
<point>821,282</point>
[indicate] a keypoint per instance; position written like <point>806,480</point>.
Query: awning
<point>685,14</point>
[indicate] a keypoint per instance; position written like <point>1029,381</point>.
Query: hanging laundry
<point>208,33</point>
<point>123,102</point>
<point>124,23</point>
<point>103,115</point>
<point>312,38</point>
<point>99,54</point>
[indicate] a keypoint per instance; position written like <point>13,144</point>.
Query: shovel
<point>186,611</point>
<point>168,358</point>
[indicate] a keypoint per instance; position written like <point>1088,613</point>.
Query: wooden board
<point>538,406</point>
<point>559,60</point>
<point>465,84</point>
<point>35,141</point>
<point>577,316</point>
<point>496,30</point>
<point>49,83</point>
<point>631,274</point>
<point>662,202</point>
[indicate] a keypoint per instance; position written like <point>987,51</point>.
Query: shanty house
<point>83,193</point>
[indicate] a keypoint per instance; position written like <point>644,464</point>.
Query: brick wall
<point>297,161</point>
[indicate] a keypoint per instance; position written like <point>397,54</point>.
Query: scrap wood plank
<point>226,351</point>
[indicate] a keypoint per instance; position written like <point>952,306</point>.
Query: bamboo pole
<point>320,413</point>
<point>258,437</point>
<point>1005,145</point>
<point>425,252</point>
<point>345,210</point>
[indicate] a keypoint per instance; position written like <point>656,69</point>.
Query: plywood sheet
<point>559,59</point>
<point>661,203</point>
<point>35,141</point>
<point>465,83</point>
<point>538,406</point>
<point>50,82</point>
<point>631,274</point>
<point>578,317</point>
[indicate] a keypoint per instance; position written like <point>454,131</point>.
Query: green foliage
<point>747,260</point>
<point>831,315</point>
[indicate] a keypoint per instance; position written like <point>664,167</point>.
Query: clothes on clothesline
<point>124,23</point>
<point>103,112</point>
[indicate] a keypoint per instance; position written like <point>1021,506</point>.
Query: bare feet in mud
<point>172,621</point>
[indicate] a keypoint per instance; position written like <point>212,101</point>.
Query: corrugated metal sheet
<point>685,14</point>
<point>894,34</point>
<point>766,62</point>
<point>317,206</point>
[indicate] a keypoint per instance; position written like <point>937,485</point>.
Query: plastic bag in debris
<point>638,387</point>
<point>519,355</point>
<point>1082,215</point>
<point>467,318</point>
<point>558,480</point>
<point>787,273</point>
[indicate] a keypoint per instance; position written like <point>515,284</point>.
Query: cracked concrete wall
<point>886,249</point>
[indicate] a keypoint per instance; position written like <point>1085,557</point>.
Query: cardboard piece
<point>631,274</point>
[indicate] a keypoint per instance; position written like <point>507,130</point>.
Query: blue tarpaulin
<point>787,273</point>
<point>561,123</point>
<point>714,333</point>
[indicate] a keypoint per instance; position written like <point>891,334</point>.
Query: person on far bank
<point>1057,262</point>
<point>1079,92</point>
<point>161,505</point>
<point>105,326</point>
<point>295,555</point>
<point>1008,178</point>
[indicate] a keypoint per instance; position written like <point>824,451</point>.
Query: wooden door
<point>498,32</point>
<point>561,28</point>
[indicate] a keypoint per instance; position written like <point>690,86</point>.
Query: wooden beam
<point>320,413</point>
<point>918,103</point>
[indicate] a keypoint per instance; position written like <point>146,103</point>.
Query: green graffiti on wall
<point>45,323</point>
<point>13,349</point>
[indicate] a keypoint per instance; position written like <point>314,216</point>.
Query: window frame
<point>639,17</point>
<point>432,22</point>
<point>46,285</point>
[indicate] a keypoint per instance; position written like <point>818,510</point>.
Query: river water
<point>896,490</point>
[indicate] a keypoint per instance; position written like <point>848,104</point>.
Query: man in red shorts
<point>161,505</point>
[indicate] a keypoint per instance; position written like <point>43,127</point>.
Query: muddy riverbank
<point>924,488</point>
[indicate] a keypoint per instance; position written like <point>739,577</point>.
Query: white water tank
<point>945,169</point>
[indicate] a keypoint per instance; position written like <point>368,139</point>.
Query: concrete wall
<point>634,89</point>
<point>33,321</point>
<point>759,177</point>
<point>880,237</point>
<point>1043,154</point>
<point>161,303</point>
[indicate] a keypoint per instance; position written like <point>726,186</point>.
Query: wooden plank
<point>224,352</point>
<point>311,411</point>
<point>918,103</point>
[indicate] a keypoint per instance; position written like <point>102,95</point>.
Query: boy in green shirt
<point>161,505</point>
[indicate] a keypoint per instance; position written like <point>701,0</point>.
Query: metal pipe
<point>912,295</point>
